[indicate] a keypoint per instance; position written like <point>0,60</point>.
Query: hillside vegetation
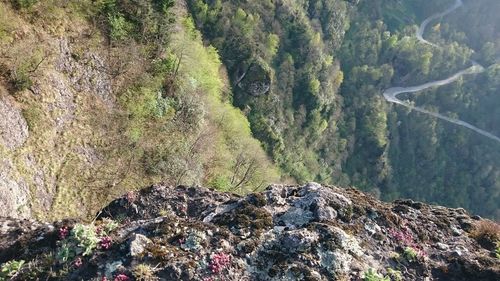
<point>116,95</point>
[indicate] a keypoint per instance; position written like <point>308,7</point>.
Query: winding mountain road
<point>391,94</point>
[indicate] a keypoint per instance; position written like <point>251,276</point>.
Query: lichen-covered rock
<point>138,245</point>
<point>309,232</point>
<point>87,72</point>
<point>14,194</point>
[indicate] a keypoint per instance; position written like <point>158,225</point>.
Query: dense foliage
<point>280,57</point>
<point>326,63</point>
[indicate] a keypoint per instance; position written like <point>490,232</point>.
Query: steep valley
<point>249,140</point>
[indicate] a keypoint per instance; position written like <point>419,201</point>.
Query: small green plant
<point>144,272</point>
<point>394,255</point>
<point>108,225</point>
<point>395,275</point>
<point>86,238</point>
<point>372,275</point>
<point>81,241</point>
<point>410,254</point>
<point>65,253</point>
<point>497,250</point>
<point>10,269</point>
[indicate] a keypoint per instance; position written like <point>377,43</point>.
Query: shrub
<point>120,28</point>
<point>165,65</point>
<point>105,5</point>
<point>220,183</point>
<point>20,80</point>
<point>272,44</point>
<point>164,5</point>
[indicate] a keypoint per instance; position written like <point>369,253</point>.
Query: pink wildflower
<point>406,239</point>
<point>219,262</point>
<point>105,242</point>
<point>403,236</point>
<point>63,232</point>
<point>78,262</point>
<point>122,277</point>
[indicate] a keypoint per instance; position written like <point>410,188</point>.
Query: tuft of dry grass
<point>487,234</point>
<point>143,272</point>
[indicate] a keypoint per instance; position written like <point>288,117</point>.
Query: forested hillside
<point>453,165</point>
<point>281,58</point>
<point>429,159</point>
<point>310,75</point>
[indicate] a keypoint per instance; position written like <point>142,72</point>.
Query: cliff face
<point>100,97</point>
<point>309,232</point>
<point>54,81</point>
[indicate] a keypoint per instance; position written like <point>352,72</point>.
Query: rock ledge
<point>309,232</point>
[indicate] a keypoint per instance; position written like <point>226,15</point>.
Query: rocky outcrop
<point>14,193</point>
<point>255,79</point>
<point>87,72</point>
<point>309,232</point>
<point>13,126</point>
<point>48,125</point>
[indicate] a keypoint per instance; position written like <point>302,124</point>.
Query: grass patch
<point>487,234</point>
